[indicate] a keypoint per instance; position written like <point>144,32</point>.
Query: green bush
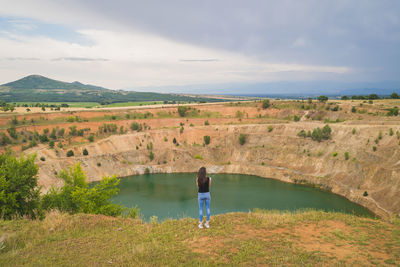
<point>12,132</point>
<point>334,154</point>
<point>346,155</point>
<point>19,194</point>
<point>242,139</point>
<point>266,104</point>
<point>322,98</point>
<point>42,158</point>
<point>85,152</point>
<point>353,131</point>
<point>91,138</point>
<point>302,133</point>
<point>182,111</point>
<point>206,122</point>
<point>51,144</point>
<point>391,132</point>
<point>353,109</point>
<point>207,139</point>
<point>296,118</point>
<point>270,128</point>
<point>151,155</point>
<point>77,197</point>
<point>136,126</point>
<point>374,148</point>
<point>70,153</point>
<point>393,111</point>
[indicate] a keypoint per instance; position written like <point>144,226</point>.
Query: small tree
<point>151,155</point>
<point>19,194</point>
<point>136,126</point>
<point>91,138</point>
<point>85,152</point>
<point>207,139</point>
<point>51,144</point>
<point>182,111</point>
<point>266,104</point>
<point>242,139</point>
<point>70,153</point>
<point>353,109</point>
<point>322,98</point>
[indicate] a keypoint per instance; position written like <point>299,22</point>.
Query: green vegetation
<point>19,194</point>
<point>258,238</point>
<point>270,128</point>
<point>182,110</point>
<point>136,126</point>
<point>85,152</point>
<point>296,118</point>
<point>317,134</point>
<point>266,104</point>
<point>151,156</point>
<point>322,98</point>
<point>206,122</point>
<point>346,155</point>
<point>353,131</point>
<point>334,154</point>
<point>242,139</point>
<point>198,156</point>
<point>70,153</point>
<point>207,139</point>
<point>77,197</point>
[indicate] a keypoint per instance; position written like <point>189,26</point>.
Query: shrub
<point>19,194</point>
<point>91,138</point>
<point>207,139</point>
<point>198,156</point>
<point>242,139</point>
<point>374,148</point>
<point>70,153</point>
<point>85,152</point>
<point>151,155</point>
<point>346,155</point>
<point>336,108</point>
<point>132,212</point>
<point>302,133</point>
<point>353,109</point>
<point>334,154</point>
<point>12,132</point>
<point>174,140</point>
<point>136,126</point>
<point>391,132</point>
<point>98,164</point>
<point>147,171</point>
<point>296,118</point>
<point>270,128</point>
<point>322,98</point>
<point>182,111</point>
<point>353,131</point>
<point>42,158</point>
<point>206,122</point>
<point>77,197</point>
<point>266,104</point>
<point>165,139</point>
<point>365,194</point>
<point>393,111</point>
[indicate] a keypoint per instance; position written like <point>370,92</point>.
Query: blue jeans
<point>204,197</point>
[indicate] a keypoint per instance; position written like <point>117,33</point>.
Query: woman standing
<point>203,183</point>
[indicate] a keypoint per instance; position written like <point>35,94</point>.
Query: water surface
<point>175,195</point>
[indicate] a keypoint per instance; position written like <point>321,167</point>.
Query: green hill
<point>260,238</point>
<point>36,88</point>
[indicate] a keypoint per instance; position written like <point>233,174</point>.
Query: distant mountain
<point>36,88</point>
<point>41,82</point>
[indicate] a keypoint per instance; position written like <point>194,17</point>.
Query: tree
<point>136,126</point>
<point>85,152</point>
<point>322,98</point>
<point>70,153</point>
<point>353,109</point>
<point>207,139</point>
<point>266,104</point>
<point>151,155</point>
<point>242,139</point>
<point>345,97</point>
<point>394,96</point>
<point>19,194</point>
<point>76,196</point>
<point>182,111</point>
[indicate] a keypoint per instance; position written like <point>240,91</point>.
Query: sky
<point>223,46</point>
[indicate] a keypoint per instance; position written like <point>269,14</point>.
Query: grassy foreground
<point>258,238</point>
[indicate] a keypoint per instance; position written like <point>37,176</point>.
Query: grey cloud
<point>353,33</point>
<point>79,59</point>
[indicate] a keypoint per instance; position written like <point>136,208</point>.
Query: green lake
<point>175,195</point>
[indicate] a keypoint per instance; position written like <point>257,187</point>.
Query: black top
<point>204,188</point>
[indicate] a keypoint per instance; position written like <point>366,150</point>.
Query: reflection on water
<point>175,195</point>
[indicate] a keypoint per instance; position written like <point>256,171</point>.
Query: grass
<point>273,238</point>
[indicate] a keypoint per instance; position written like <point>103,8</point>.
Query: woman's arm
<point>197,182</point>
<point>210,181</point>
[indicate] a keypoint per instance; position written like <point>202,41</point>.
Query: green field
<point>71,104</point>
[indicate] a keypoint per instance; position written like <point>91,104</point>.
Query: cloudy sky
<point>202,46</point>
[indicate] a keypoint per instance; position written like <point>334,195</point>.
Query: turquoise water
<point>175,195</point>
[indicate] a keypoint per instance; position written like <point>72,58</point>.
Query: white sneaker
<point>207,225</point>
<point>201,225</point>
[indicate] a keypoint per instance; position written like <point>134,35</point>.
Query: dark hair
<point>201,176</point>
